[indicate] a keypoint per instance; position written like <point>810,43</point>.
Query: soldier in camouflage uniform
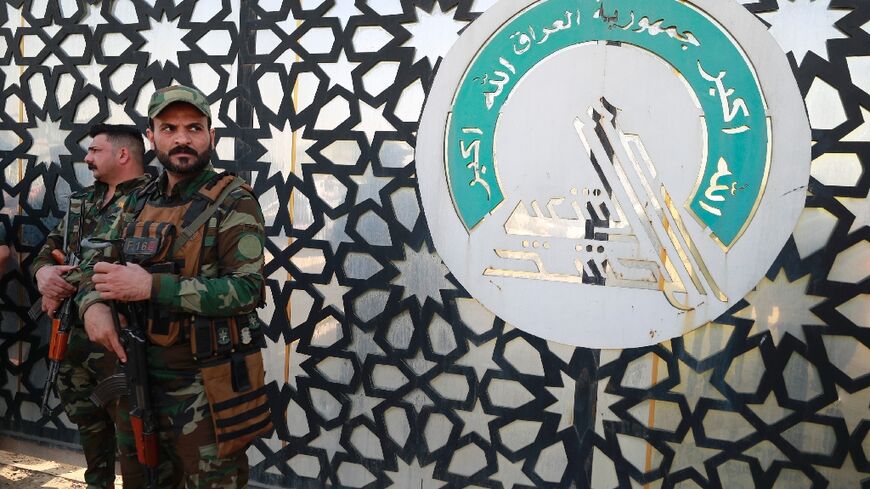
<point>204,361</point>
<point>115,156</point>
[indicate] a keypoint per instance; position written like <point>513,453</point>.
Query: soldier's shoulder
<point>82,193</point>
<point>82,196</point>
<point>240,189</point>
<point>244,190</point>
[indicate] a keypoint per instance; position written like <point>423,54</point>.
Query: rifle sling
<point>201,219</point>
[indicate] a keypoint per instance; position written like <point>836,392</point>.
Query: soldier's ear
<point>211,133</point>
<point>150,135</point>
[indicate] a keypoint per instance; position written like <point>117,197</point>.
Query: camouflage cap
<point>165,96</point>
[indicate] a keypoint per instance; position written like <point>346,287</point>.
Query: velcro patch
<point>141,246</point>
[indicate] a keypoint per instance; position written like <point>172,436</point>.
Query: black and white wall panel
<point>383,370</point>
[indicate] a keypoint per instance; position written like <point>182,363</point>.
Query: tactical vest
<point>172,239</point>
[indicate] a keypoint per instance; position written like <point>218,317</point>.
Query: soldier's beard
<point>202,160</point>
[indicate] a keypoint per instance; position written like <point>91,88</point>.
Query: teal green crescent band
<point>730,180</point>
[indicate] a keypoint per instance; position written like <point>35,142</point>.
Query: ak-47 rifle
<point>61,325</point>
<point>132,379</point>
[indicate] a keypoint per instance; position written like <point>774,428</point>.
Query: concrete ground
<point>17,470</point>
<point>29,465</point>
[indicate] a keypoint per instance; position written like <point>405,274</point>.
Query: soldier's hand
<point>50,305</point>
<point>101,329</point>
<point>50,282</point>
<point>122,282</point>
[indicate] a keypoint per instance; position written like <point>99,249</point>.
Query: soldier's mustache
<point>183,150</point>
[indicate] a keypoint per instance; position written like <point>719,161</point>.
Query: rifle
<point>132,378</point>
<point>61,325</point>
<point>36,308</point>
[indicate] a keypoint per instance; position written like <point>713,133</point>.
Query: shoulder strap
<point>201,219</point>
<point>143,195</point>
<point>77,198</point>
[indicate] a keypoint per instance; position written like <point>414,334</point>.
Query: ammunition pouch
<point>228,350</point>
<point>218,337</point>
<point>164,327</point>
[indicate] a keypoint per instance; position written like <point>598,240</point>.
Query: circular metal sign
<point>615,173</point>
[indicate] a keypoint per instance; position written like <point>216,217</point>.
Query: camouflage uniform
<point>229,283</point>
<point>87,363</point>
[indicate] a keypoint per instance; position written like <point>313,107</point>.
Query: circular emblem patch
<point>612,173</point>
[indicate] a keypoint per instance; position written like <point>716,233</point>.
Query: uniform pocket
<point>163,332</point>
<point>237,398</point>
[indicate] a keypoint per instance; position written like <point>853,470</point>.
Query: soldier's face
<point>182,139</point>
<point>102,159</point>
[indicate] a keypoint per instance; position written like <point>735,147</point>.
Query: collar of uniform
<point>133,183</point>
<point>100,188</point>
<point>185,188</point>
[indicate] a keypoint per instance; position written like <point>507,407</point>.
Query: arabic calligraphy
<point>647,249</point>
<point>729,108</point>
<point>604,218</point>
<point>472,150</point>
<point>714,187</point>
<point>503,79</point>
<point>653,28</point>
<point>523,42</point>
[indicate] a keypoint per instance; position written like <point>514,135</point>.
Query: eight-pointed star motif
<point>433,34</point>
<point>412,475</point>
<point>163,40</point>
<point>781,307</point>
<point>422,275</point>
<point>801,26</point>
<point>48,141</point>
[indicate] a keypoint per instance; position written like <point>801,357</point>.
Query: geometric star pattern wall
<point>383,371</point>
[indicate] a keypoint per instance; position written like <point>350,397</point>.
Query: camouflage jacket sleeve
<point>109,227</point>
<point>232,283</point>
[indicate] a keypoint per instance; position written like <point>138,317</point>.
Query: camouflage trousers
<point>187,447</point>
<point>86,364</point>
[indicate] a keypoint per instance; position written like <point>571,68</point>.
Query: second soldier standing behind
<point>204,231</point>
<point>115,157</point>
